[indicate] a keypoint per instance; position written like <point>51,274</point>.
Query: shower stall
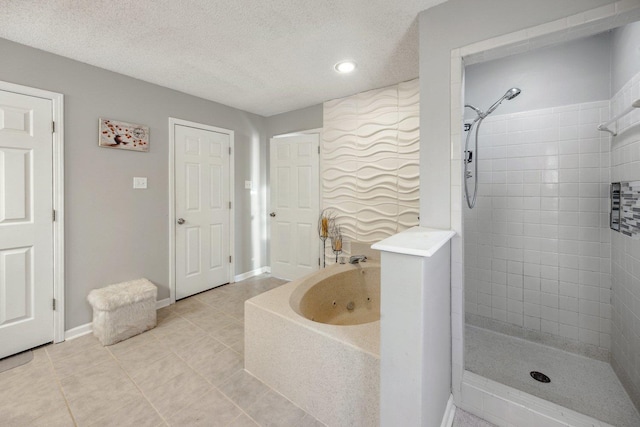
<point>552,294</point>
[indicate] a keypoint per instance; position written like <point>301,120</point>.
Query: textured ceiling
<point>265,57</point>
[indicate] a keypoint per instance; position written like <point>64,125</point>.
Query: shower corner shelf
<point>605,126</point>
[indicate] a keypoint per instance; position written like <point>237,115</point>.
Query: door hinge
<point>229,150</point>
<point>229,258</point>
<point>318,261</point>
<point>54,214</point>
<point>318,149</point>
<point>53,127</point>
<point>229,205</point>
<point>54,304</point>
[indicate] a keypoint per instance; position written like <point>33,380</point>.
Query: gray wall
<point>625,55</point>
<point>450,25</point>
<point>114,233</point>
<point>294,121</point>
<point>570,73</point>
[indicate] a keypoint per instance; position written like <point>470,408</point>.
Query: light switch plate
<point>248,185</point>
<point>140,182</point>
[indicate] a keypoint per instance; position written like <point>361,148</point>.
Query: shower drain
<point>539,376</point>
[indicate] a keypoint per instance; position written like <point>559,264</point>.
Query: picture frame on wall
<point>123,135</point>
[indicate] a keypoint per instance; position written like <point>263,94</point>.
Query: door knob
<point>272,214</point>
<point>180,221</point>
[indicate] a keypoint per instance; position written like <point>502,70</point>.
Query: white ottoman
<point>123,310</point>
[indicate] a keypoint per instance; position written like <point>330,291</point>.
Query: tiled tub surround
<point>537,249</point>
<point>331,371</point>
<point>625,250</point>
<point>369,155</point>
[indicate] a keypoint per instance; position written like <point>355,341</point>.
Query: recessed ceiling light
<point>345,67</point>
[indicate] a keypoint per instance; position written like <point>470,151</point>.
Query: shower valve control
<point>468,156</point>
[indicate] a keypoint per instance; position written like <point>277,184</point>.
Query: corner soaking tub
<point>316,341</point>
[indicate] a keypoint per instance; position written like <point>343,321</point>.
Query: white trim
<point>172,214</point>
<point>57,114</point>
<point>253,273</point>
<point>85,329</point>
<point>163,303</point>
<point>267,269</point>
<point>449,413</point>
<point>78,331</point>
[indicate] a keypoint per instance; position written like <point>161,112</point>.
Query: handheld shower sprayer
<point>509,95</point>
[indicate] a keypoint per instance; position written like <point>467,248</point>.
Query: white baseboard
<point>449,413</point>
<point>85,329</point>
<point>163,303</point>
<point>250,274</point>
<point>78,331</point>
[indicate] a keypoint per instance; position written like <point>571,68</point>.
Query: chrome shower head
<point>512,93</point>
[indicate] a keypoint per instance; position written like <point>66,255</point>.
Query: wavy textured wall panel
<point>370,152</point>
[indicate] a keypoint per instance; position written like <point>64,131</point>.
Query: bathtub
<point>316,341</point>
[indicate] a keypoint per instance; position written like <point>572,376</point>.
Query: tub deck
<point>330,371</point>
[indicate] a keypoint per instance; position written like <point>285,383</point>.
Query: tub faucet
<point>355,259</point>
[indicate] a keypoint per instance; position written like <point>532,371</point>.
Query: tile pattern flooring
<point>188,371</point>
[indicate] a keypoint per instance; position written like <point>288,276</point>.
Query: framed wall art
<point>123,135</point>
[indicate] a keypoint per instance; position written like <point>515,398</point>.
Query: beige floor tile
<point>59,417</point>
<point>230,334</point>
<point>189,305</point>
<point>179,392</point>
<point>170,324</point>
<point>84,359</point>
<point>243,421</point>
<point>159,372</point>
<point>200,352</point>
<point>72,347</point>
<point>32,401</point>
<point>91,407</point>
<point>238,347</point>
<point>273,410</point>
<point>209,320</point>
<point>130,344</point>
<point>243,389</point>
<point>309,421</point>
<point>179,338</point>
<point>221,367</point>
<point>15,379</point>
<point>136,413</point>
<point>134,361</point>
<point>209,410</point>
<point>92,380</point>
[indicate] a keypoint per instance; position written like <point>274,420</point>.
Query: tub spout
<point>355,259</point>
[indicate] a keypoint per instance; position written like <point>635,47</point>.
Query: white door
<point>26,222</point>
<point>202,209</point>
<point>294,172</point>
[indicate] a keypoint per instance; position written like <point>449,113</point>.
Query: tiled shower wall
<point>369,161</point>
<point>625,166</point>
<point>537,244</point>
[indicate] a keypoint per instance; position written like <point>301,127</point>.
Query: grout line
<point>60,388</point>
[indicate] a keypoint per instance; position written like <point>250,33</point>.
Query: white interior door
<point>294,172</point>
<point>26,222</point>
<point>202,209</point>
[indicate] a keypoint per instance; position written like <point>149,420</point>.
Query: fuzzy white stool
<point>123,310</point>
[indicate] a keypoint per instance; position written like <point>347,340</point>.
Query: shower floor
<point>584,385</point>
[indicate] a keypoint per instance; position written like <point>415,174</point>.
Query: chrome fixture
<point>468,154</point>
<point>355,259</point>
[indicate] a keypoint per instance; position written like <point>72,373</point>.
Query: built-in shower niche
<point>545,289</point>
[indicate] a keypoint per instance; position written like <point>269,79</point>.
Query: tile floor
<point>188,371</point>
<point>585,385</point>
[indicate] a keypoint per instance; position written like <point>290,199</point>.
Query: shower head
<point>510,94</point>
